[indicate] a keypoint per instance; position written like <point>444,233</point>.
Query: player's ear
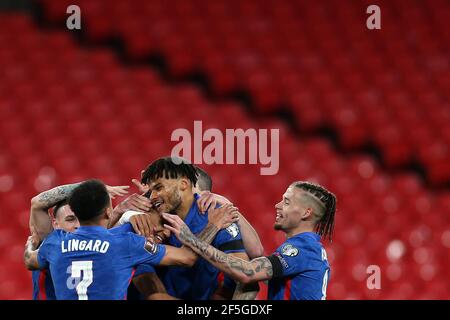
<point>307,213</point>
<point>184,184</point>
<point>54,223</point>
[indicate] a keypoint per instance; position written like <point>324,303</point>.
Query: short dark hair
<point>89,200</point>
<point>170,168</point>
<point>325,225</point>
<point>58,206</point>
<point>204,180</point>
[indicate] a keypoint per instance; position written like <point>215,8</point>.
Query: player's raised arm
<point>40,220</point>
<point>250,238</point>
<point>240,270</point>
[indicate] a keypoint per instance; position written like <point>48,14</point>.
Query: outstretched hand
<point>135,202</point>
<point>117,191</point>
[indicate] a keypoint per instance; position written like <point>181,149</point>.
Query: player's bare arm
<point>250,238</point>
<point>39,218</point>
<point>151,287</point>
<point>185,256</point>
<point>246,291</point>
<point>30,254</point>
<point>240,270</point>
<point>218,218</point>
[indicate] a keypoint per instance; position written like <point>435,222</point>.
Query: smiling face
<point>160,234</point>
<point>166,194</point>
<point>291,210</point>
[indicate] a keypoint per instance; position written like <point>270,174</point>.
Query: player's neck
<point>186,203</point>
<point>99,223</point>
<point>300,229</point>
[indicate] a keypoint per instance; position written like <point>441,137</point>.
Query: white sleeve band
<point>127,215</point>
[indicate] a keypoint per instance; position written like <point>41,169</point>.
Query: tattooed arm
<point>40,221</point>
<point>185,256</point>
<point>246,291</point>
<point>218,218</point>
<point>240,270</point>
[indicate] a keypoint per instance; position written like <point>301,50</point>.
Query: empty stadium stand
<point>72,111</point>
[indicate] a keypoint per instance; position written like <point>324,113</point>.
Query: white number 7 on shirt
<point>86,267</point>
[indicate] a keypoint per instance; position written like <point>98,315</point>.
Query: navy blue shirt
<point>301,269</point>
<point>200,281</point>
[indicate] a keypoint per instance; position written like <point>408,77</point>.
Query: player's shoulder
<point>55,235</point>
<point>306,243</point>
<point>132,238</point>
<point>306,239</point>
<point>122,229</point>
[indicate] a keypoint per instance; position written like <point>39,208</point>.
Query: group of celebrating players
<point>175,239</point>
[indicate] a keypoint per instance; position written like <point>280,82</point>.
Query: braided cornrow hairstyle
<point>170,169</point>
<point>325,226</point>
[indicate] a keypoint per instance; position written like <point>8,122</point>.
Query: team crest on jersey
<point>289,250</point>
<point>151,247</point>
<point>233,230</point>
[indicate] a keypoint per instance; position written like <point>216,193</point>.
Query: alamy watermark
<point>74,20</point>
<point>374,20</point>
<point>230,147</point>
<point>374,279</point>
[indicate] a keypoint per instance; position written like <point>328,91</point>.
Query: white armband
<point>127,215</point>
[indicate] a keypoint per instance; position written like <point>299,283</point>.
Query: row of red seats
<point>278,50</point>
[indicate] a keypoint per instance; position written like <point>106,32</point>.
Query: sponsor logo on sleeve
<point>151,247</point>
<point>282,260</point>
<point>233,230</point>
<point>289,250</point>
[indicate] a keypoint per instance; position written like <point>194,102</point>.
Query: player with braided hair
<point>299,268</point>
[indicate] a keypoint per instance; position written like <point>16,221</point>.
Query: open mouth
<point>159,238</point>
<point>278,217</point>
<point>157,204</point>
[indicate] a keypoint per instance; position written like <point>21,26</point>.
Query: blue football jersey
<point>95,263</point>
<point>142,268</point>
<point>42,280</point>
<point>200,281</point>
<point>132,292</point>
<point>301,269</point>
<point>42,285</point>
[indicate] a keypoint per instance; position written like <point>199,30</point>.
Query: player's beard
<point>174,202</point>
<point>277,226</point>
